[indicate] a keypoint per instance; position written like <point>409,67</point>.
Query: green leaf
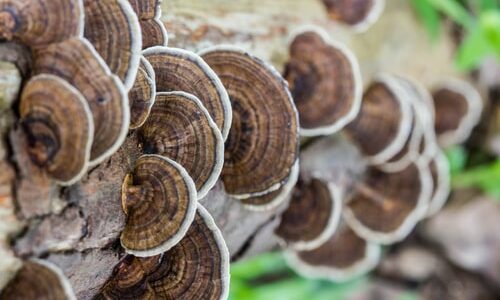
<point>457,158</point>
<point>454,11</point>
<point>486,5</point>
<point>490,25</point>
<point>484,177</point>
<point>473,50</point>
<point>429,16</point>
<point>258,266</point>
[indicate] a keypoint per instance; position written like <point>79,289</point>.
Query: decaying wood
<point>78,227</point>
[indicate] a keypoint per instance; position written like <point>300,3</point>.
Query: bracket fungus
<point>262,146</point>
<point>358,14</point>
<point>142,96</point>
<point>159,200</point>
<point>38,279</point>
<point>181,70</point>
<point>39,23</point>
<point>342,257</point>
<point>384,122</point>
<point>325,81</point>
<point>59,127</point>
<point>458,107</point>
<point>179,127</point>
<point>312,215</point>
<point>440,172</point>
<point>196,268</point>
<point>385,207</point>
<point>76,61</point>
<point>154,32</point>
<point>113,29</point>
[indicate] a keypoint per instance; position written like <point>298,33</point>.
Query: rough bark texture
<point>78,227</point>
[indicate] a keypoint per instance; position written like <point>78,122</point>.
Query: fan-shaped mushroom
<point>77,62</point>
<point>359,14</point>
<point>38,279</point>
<point>59,128</point>
<point>384,122</point>
<point>113,29</point>
<point>440,172</point>
<point>153,30</point>
<point>179,127</point>
<point>181,70</point>
<point>263,143</point>
<point>159,199</point>
<point>385,207</point>
<point>142,95</point>
<point>325,82</point>
<point>458,107</point>
<point>312,215</point>
<point>342,257</point>
<point>197,267</point>
<point>39,23</point>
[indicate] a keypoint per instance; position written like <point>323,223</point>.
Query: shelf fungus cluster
<point>356,14</point>
<point>398,127</point>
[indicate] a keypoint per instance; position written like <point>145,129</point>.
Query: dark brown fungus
<point>181,70</point>
<point>325,82</point>
<point>312,215</point>
<point>196,268</point>
<point>342,257</point>
<point>179,127</point>
<point>153,30</point>
<point>385,207</point>
<point>359,14</point>
<point>38,279</point>
<point>113,29</point>
<point>262,146</point>
<point>77,62</point>
<point>142,95</point>
<point>59,128</point>
<point>39,23</point>
<point>159,199</point>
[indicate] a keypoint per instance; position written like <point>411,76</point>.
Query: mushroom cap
<point>38,279</point>
<point>312,215</point>
<point>154,32</point>
<point>458,107</point>
<point>113,29</point>
<point>325,82</point>
<point>59,127</point>
<point>181,70</point>
<point>179,127</point>
<point>440,172</point>
<point>198,266</point>
<point>262,146</point>
<point>384,122</point>
<point>77,62</point>
<point>142,95</point>
<point>39,23</point>
<point>358,14</point>
<point>273,199</point>
<point>159,199</point>
<point>387,206</point>
<point>342,257</point>
<point>146,9</point>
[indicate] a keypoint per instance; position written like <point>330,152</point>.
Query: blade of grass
<point>429,16</point>
<point>454,11</point>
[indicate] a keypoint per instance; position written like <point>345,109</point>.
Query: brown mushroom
<point>113,29</point>
<point>312,215</point>
<point>142,95</point>
<point>440,172</point>
<point>153,30</point>
<point>59,128</point>
<point>273,199</point>
<point>159,199</point>
<point>325,82</point>
<point>181,70</point>
<point>358,14</point>
<point>39,23</point>
<point>38,279</point>
<point>77,62</point>
<point>197,267</point>
<point>342,257</point>
<point>179,127</point>
<point>262,147</point>
<point>385,207</point>
<point>384,122</point>
<point>458,107</point>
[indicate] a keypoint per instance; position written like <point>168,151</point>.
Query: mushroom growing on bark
<point>142,96</point>
<point>154,32</point>
<point>358,14</point>
<point>325,82</point>
<point>262,146</point>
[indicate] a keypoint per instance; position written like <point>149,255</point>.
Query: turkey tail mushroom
<point>357,14</point>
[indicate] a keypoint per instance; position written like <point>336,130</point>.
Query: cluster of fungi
<point>102,73</point>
